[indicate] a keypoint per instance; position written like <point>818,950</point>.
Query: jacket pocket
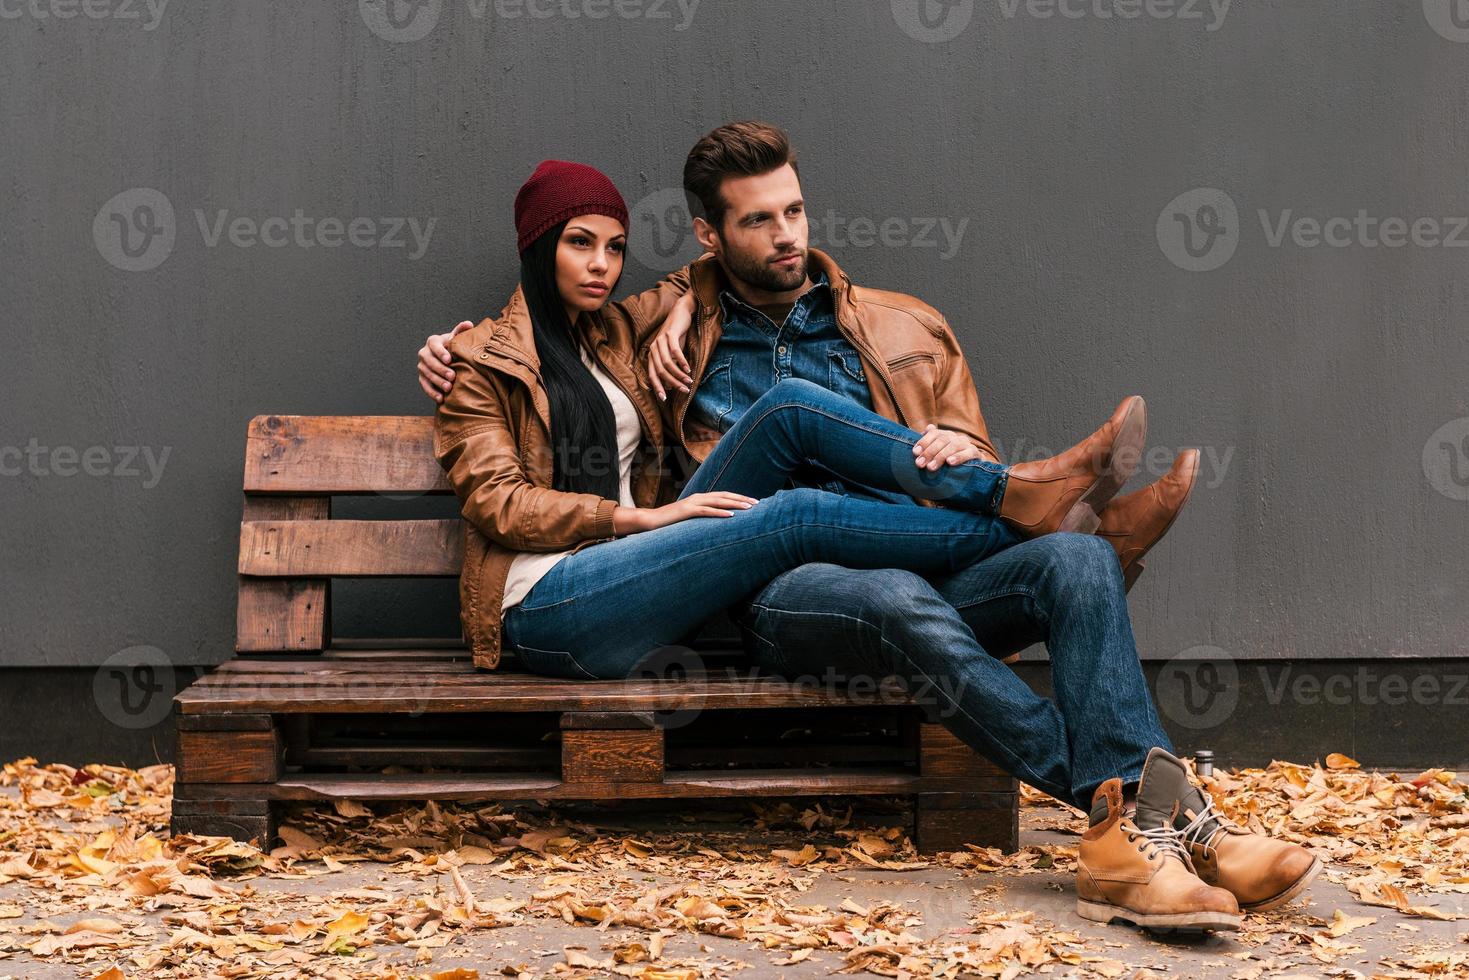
<point>553,663</point>
<point>843,363</point>
<point>911,358</point>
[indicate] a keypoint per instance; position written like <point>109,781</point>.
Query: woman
<point>580,559</point>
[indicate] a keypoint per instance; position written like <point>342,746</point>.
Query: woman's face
<point>589,262</point>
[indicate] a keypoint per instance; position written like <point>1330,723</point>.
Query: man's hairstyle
<point>741,149</point>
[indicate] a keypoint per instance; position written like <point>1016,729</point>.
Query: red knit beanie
<point>560,190</point>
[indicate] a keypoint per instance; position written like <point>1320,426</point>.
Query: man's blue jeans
<point>600,612</point>
<point>943,637</point>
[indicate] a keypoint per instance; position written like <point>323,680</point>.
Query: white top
<point>527,568</point>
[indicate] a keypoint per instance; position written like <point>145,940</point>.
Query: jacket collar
<point>513,335</point>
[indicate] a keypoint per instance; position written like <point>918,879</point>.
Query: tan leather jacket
<point>914,367</point>
<point>492,436</point>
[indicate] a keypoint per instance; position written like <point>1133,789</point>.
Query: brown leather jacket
<point>492,436</point>
<point>491,433</point>
<point>914,367</point>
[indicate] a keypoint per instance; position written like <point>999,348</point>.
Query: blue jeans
<point>601,612</point>
<point>800,431</point>
<point>942,638</point>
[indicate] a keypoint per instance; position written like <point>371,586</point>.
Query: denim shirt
<point>754,353</point>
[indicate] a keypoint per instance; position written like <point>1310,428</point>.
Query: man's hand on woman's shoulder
<point>434,376</point>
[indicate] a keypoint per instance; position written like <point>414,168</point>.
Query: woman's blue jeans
<point>599,613</point>
<point>798,428</point>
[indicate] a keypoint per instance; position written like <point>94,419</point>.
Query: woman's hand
<point>719,503</point>
<point>667,366</point>
<point>433,362</point>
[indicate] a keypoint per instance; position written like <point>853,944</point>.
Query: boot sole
<point>1123,459</point>
<point>1159,921</point>
<point>1295,889</point>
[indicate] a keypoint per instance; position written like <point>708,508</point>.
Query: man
<point>768,307</point>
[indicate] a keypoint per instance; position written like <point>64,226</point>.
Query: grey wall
<point>1330,519</point>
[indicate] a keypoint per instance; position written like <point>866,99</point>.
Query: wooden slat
<point>329,677</point>
<point>676,784</point>
<point>342,455</point>
<point>358,694</point>
<point>224,723</point>
<point>283,614</point>
<point>603,720</point>
<point>327,665</point>
<point>351,548</point>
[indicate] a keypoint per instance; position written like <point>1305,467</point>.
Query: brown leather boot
<point>1067,492</point>
<point>1261,872</point>
<point>1136,522</point>
<point>1126,874</point>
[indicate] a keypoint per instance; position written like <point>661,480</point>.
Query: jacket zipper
<point>705,315</point>
<point>877,363</point>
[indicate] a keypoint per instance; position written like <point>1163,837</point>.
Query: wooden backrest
<point>290,548</point>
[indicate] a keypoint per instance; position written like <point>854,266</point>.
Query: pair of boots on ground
<point>1073,491</point>
<point>1173,863</point>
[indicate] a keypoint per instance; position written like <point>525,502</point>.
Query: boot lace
<point>1199,831</point>
<point>1165,840</point>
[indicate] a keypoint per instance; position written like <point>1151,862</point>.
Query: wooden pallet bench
<point>299,715</point>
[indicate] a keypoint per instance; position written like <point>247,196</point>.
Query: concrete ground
<point>945,899</point>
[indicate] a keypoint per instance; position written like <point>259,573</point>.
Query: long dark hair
<point>583,429</point>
